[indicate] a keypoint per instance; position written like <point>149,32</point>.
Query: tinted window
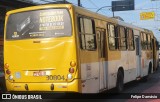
<point>39,24</point>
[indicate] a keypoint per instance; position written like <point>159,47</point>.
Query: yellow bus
<point>65,48</point>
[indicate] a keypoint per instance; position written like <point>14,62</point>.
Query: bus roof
<point>95,15</point>
<point>110,19</point>
<point>47,6</point>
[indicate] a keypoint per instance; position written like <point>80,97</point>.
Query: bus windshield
<point>39,24</point>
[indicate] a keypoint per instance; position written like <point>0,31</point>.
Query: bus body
<point>61,47</point>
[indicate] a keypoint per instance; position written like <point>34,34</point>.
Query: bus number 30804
<point>55,77</point>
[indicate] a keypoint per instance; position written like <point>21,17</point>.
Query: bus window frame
<point>119,38</point>
<point>115,36</point>
<point>157,45</point>
<point>127,28</point>
<point>141,35</point>
<point>79,32</point>
<point>146,44</point>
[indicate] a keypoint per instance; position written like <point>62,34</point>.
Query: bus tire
<point>145,78</point>
<point>150,69</point>
<point>120,80</point>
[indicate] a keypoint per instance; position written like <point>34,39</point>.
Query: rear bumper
<point>57,87</point>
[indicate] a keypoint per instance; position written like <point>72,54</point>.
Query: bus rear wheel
<point>145,78</point>
<point>119,84</point>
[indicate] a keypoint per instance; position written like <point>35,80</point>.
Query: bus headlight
<point>69,76</point>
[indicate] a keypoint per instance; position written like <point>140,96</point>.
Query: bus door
<point>101,36</point>
<point>138,55</point>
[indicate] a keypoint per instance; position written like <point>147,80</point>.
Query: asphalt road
<point>152,86</point>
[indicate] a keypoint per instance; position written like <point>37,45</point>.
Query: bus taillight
<point>71,70</point>
<point>69,76</point>
<point>8,71</point>
<point>72,63</point>
<point>10,77</point>
<point>6,65</point>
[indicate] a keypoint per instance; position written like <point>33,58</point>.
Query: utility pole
<point>79,2</point>
<point>113,13</point>
<point>105,7</point>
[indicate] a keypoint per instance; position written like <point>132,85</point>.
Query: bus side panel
<point>88,65</point>
<point>89,73</point>
<point>113,64</point>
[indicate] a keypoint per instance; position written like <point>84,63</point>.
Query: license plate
<point>39,73</point>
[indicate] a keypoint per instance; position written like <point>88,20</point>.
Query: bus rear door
<point>102,64</point>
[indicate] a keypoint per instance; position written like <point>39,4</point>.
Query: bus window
<point>39,24</point>
<point>130,39</point>
<point>149,41</point>
<point>144,41</point>
<point>122,38</point>
<point>157,45</point>
<point>111,37</point>
<point>87,34</point>
<point>81,29</point>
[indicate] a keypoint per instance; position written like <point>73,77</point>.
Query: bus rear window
<point>39,24</point>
